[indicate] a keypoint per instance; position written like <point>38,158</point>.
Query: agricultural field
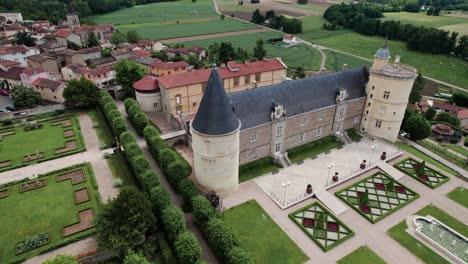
<point>461,28</point>
<point>172,20</point>
<point>449,69</point>
<point>421,19</point>
<point>335,61</point>
<point>299,55</point>
<point>312,29</point>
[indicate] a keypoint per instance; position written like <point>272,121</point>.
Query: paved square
<point>315,172</point>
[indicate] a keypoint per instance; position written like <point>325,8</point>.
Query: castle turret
<point>215,140</point>
<point>72,19</point>
<point>387,91</point>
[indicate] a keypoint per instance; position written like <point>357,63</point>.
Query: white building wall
<point>20,56</point>
<point>149,102</point>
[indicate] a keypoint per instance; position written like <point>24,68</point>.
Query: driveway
<point>4,101</point>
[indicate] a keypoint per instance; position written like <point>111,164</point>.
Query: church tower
<point>72,19</point>
<point>387,91</point>
<point>215,140</point>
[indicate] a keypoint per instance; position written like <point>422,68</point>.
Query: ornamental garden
<point>38,141</point>
<point>45,213</point>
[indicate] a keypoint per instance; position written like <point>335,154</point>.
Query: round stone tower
<point>387,91</point>
<point>215,140</point>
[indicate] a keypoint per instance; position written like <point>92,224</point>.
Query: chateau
<point>240,127</point>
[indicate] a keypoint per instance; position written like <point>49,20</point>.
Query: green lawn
<point>264,239</point>
<point>459,195</point>
<point>299,55</point>
<point>102,129</point>
<point>313,148</point>
<point>419,154</point>
<point>119,169</point>
<point>445,68</point>
<point>426,254</point>
<point>257,168</point>
<point>46,209</point>
<point>421,19</point>
<point>335,61</point>
<point>458,149</point>
<point>46,139</point>
<point>312,28</point>
<point>362,255</point>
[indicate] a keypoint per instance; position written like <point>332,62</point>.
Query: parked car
<point>5,92</point>
<point>10,107</point>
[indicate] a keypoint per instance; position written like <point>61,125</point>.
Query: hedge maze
<point>421,172</point>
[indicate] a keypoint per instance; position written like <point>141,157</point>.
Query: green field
<point>362,255</point>
<point>119,169</point>
<point>46,209</point>
<point>312,29</point>
<point>461,28</point>
<point>335,61</point>
<point>44,140</point>
<point>264,239</point>
<point>421,19</point>
<point>299,55</point>
<point>102,129</point>
<point>449,69</point>
<point>427,255</point>
<point>459,195</point>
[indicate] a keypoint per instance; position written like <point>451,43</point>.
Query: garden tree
<point>124,220</point>
<point>418,85</point>
<point>421,169</point>
<point>187,249</point>
<point>24,97</point>
<point>226,52</point>
<point>62,259</point>
<point>390,185</point>
<point>134,258</point>
<point>270,14</point>
<point>118,37</point>
<point>238,255</point>
<point>296,72</point>
<point>140,121</point>
<point>436,11</point>
<point>219,237</point>
<point>364,199</point>
<point>462,47</point>
<point>429,11</point>
<point>72,45</point>
<point>92,41</point>
<point>291,25</point>
<point>259,51</point>
<point>166,158</point>
<point>162,55</point>
<point>202,210</point>
<point>460,99</point>
<point>107,52</point>
<point>81,93</point>
<point>194,60</point>
<point>118,125</point>
<point>160,198</point>
<point>222,17</point>
<point>24,38</point>
<point>173,222</point>
<point>139,164</point>
<point>417,127</point>
<point>412,7</point>
<point>177,57</point>
<point>257,17</point>
<point>126,73</point>
<point>132,36</point>
<point>176,171</point>
<point>448,118</point>
<point>430,113</point>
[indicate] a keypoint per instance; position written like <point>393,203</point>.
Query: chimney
<point>223,65</point>
<point>246,62</point>
<point>344,67</point>
<point>397,59</point>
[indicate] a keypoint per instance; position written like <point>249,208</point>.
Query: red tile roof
<point>42,29</point>
<point>90,50</point>
<point>98,70</point>
<point>104,27</point>
<point>463,114</point>
<point>47,83</point>
<point>13,27</point>
<point>141,53</point>
<point>289,37</point>
<point>13,49</point>
<point>183,50</point>
<point>63,33</point>
<point>76,67</point>
<point>12,73</point>
<point>441,105</point>
<point>147,83</point>
<point>9,63</point>
<point>232,69</point>
<point>33,71</point>
<point>169,65</point>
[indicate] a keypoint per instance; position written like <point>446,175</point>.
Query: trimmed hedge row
<point>138,119</point>
<point>112,114</point>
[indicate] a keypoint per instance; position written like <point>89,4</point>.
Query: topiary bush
<point>188,189</point>
<point>148,180</point>
<point>160,198</point>
<point>118,125</point>
<point>129,102</point>
<point>173,222</point>
<point>133,110</point>
<point>156,145</point>
<point>187,248</point>
<point>220,237</point>
<point>176,171</point>
<point>139,164</point>
<point>127,137</point>
<point>140,121</point>
<point>149,132</point>
<point>132,150</point>
<point>238,255</point>
<point>166,158</point>
<point>166,252</point>
<point>202,210</point>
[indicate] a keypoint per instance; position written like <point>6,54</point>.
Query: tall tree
<point>418,85</point>
<point>93,41</point>
<point>127,73</point>
<point>124,220</point>
<point>81,93</point>
<point>133,36</point>
<point>25,97</point>
<point>448,118</point>
<point>226,52</point>
<point>62,259</point>
<point>257,17</point>
<point>25,38</point>
<point>430,113</point>
<point>118,37</point>
<point>417,127</point>
<point>259,50</point>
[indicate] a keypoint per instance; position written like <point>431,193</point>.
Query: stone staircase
<point>283,160</point>
<point>343,137</point>
<point>331,202</point>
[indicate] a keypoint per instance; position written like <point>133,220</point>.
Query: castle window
<point>342,112</point>
<point>302,137</point>
<point>236,81</point>
<point>371,95</point>
<point>367,112</point>
<point>373,87</point>
<point>277,147</point>
<point>253,153</point>
<point>179,109</point>
<point>194,104</point>
<point>382,109</point>
<point>320,116</point>
<point>378,124</point>
<point>253,137</point>
<point>258,77</point>
<point>155,105</point>
<point>177,99</point>
<point>368,104</point>
<point>247,79</point>
<point>386,94</point>
<point>303,121</point>
<point>319,132</point>
<point>279,131</point>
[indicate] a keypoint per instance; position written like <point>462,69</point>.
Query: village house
<point>161,68</point>
<point>46,62</point>
<point>29,75</point>
<point>91,53</point>
<point>102,76</point>
<point>151,45</point>
<point>50,90</point>
<point>8,30</point>
<point>185,52</point>
<point>17,53</point>
<point>52,47</point>
<point>463,116</point>
<point>120,53</point>
<point>73,71</point>
<point>103,33</point>
<point>289,39</point>
<point>10,77</point>
<point>104,61</point>
<point>145,62</point>
<point>12,17</point>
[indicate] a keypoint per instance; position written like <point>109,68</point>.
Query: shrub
<point>113,114</point>
<point>105,100</point>
<point>127,137</point>
<point>160,198</point>
<point>118,125</point>
<point>139,164</point>
<point>117,182</point>
<point>465,142</point>
<point>173,222</point>
<point>129,102</point>
<point>166,252</point>
<point>187,248</point>
<point>188,189</point>
<point>149,132</point>
<point>149,180</point>
<point>202,210</point>
<point>7,122</point>
<point>156,145</point>
<point>134,258</point>
<point>133,110</point>
<point>62,259</point>
<point>166,157</point>
<point>220,237</point>
<point>132,150</point>
<point>140,121</point>
<point>176,171</point>
<point>238,255</point>
<point>110,106</point>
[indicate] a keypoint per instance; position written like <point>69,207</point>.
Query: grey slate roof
<point>253,107</point>
<point>215,115</point>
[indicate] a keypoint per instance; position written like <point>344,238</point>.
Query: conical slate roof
<point>215,115</point>
<point>383,52</point>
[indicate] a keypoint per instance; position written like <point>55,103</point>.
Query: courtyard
<point>47,211</point>
<point>34,142</point>
<point>288,186</point>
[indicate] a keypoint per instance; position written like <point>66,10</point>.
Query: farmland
<point>421,19</point>
<point>299,55</point>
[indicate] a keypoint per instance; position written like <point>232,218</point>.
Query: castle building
<point>73,20</point>
<point>237,128</point>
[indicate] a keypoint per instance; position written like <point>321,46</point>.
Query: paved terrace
<point>345,161</point>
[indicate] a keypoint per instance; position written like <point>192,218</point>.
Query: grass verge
<point>362,255</point>
<point>459,195</point>
<point>313,148</point>
<point>257,168</point>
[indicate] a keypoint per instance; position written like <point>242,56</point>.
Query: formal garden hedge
<point>171,219</point>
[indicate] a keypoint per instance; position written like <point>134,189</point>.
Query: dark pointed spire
<point>383,52</point>
<point>215,115</point>
<point>71,10</point>
<point>385,46</point>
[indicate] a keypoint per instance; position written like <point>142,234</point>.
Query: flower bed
<point>428,176</point>
<point>32,242</point>
<point>32,185</point>
<point>377,196</point>
<point>321,225</point>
